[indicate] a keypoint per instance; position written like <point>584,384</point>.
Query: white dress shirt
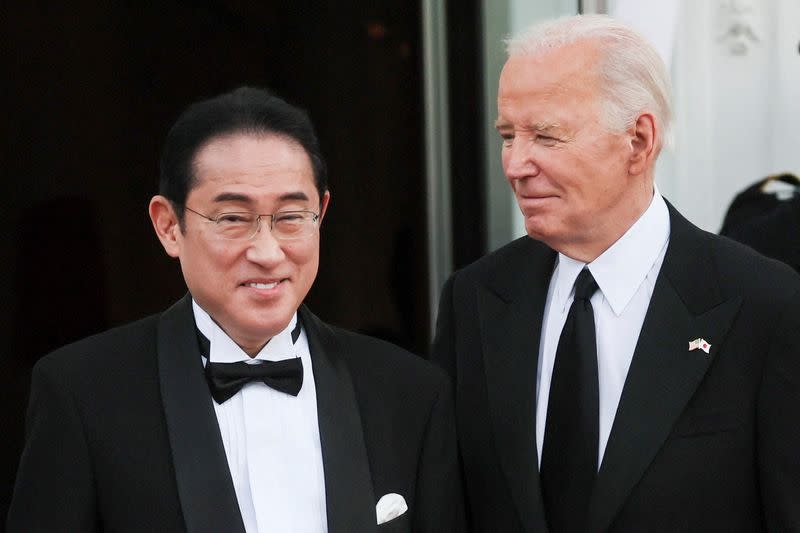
<point>271,439</point>
<point>625,274</point>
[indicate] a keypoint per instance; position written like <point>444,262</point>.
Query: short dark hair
<point>244,110</point>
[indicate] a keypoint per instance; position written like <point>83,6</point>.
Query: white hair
<point>633,75</point>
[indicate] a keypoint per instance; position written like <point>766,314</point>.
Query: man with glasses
<point>237,409</point>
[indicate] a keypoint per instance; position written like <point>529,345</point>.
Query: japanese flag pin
<point>699,344</point>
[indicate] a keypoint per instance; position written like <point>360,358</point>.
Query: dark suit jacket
<point>774,233</point>
<point>753,202</point>
<point>122,435</point>
<point>699,443</point>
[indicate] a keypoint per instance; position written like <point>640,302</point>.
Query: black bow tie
<point>226,379</point>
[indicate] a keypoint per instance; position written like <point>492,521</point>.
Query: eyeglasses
<point>241,225</point>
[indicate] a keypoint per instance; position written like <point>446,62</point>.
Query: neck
<point>609,230</point>
<point>252,350</point>
<point>248,345</point>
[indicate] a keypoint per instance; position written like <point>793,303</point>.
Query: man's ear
<point>323,205</point>
<point>165,222</point>
<point>643,143</point>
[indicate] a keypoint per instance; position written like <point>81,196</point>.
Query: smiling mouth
<point>536,198</point>
<point>262,285</point>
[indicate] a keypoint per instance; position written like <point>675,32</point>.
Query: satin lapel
<point>664,374</point>
<point>348,481</point>
<point>510,311</point>
<point>205,488</point>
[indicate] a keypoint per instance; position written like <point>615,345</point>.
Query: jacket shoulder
<point>735,269</point>
<point>113,347</point>
<point>741,268</point>
<point>504,258</point>
<point>378,365</point>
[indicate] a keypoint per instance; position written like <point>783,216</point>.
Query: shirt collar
<point>620,270</point>
<point>224,350</point>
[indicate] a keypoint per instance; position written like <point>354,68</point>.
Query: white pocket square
<point>390,506</point>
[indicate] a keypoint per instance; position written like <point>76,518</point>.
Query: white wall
<point>736,99</point>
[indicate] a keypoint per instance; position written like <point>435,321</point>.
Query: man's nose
<point>263,247</point>
<point>519,160</point>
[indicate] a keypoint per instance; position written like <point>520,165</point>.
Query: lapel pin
<point>700,344</point>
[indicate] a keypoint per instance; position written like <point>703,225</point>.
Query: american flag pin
<point>699,344</point>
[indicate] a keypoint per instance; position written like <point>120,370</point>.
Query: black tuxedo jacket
<point>699,443</point>
<point>122,435</point>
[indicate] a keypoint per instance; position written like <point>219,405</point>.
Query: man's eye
<point>234,218</point>
<point>508,140</point>
<point>546,140</point>
<point>288,217</point>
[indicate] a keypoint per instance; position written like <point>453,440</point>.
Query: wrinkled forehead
<point>571,67</point>
<point>252,169</point>
<point>552,83</point>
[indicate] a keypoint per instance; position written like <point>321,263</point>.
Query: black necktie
<point>569,452</point>
<point>226,379</point>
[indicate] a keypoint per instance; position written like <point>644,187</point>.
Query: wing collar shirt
<point>625,274</point>
<point>271,439</point>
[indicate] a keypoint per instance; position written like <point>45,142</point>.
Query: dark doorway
<point>90,92</point>
<point>465,49</point>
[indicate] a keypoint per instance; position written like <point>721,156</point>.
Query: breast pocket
<point>400,524</point>
<point>698,424</point>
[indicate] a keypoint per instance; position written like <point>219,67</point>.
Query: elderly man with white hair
<point>617,369</point>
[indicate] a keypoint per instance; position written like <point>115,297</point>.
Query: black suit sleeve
<point>439,501</point>
<point>444,354</point>
<point>778,430</point>
<point>54,487</point>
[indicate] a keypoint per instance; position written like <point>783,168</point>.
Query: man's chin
<point>535,229</point>
<point>272,322</point>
